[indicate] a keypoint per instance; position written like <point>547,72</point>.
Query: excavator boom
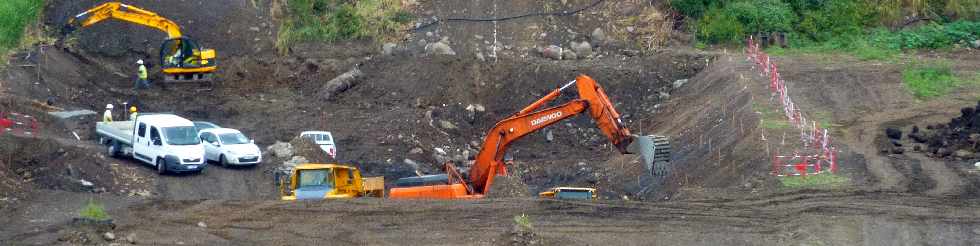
<point>489,161</point>
<point>126,13</point>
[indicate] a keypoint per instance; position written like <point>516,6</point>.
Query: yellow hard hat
<point>132,109</point>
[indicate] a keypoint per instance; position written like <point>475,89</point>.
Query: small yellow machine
<point>328,181</point>
<point>570,193</point>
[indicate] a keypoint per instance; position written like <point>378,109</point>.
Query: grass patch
<point>15,15</point>
<point>94,211</point>
<point>523,221</point>
<point>825,180</point>
<point>771,119</point>
<point>336,20</point>
<point>927,81</point>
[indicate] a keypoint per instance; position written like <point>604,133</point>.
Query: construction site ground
<point>720,191</point>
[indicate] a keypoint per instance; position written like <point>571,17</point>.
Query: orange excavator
<point>655,150</point>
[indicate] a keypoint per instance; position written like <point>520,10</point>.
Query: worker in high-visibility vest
<point>132,113</point>
<point>142,79</point>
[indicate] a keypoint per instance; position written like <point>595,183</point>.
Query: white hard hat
<point>108,106</point>
<point>140,61</point>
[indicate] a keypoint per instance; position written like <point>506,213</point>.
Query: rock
<point>552,51</point>
<point>549,136</point>
<point>341,83</point>
<point>663,95</point>
<point>893,133</point>
<point>254,29</point>
<point>679,83</point>
<point>896,143</point>
<point>963,154</point>
<point>280,149</point>
<point>439,151</point>
<point>479,56</point>
<point>415,150</point>
<point>915,129</point>
<point>131,238</point>
<point>943,152</point>
<point>439,48</point>
<point>388,48</point>
<point>446,125</point>
<point>975,44</point>
<point>480,37</point>
<point>598,36</point>
<point>429,34</point>
<point>109,236</point>
<point>898,150</point>
<point>917,147</point>
<point>977,165</point>
<point>475,144</point>
<point>86,183</point>
<point>569,55</point>
<point>202,224</point>
<point>917,137</point>
<point>583,49</point>
<point>975,137</point>
<point>296,160</point>
<point>475,108</point>
<point>630,29</point>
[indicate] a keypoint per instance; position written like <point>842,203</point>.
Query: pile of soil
<point>46,164</point>
<point>958,139</point>
<point>507,187</point>
<point>307,148</point>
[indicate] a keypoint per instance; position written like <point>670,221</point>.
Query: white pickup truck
<point>165,141</point>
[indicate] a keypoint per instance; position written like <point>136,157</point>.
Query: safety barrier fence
<point>818,155</point>
<point>18,124</point>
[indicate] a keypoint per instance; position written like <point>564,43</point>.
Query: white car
<point>324,139</point>
<point>229,147</point>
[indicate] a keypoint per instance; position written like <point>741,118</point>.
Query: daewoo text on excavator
<point>654,150</point>
<point>181,59</point>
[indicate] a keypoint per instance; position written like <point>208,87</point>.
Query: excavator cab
<point>182,59</point>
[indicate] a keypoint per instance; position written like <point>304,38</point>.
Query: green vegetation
<point>833,26</point>
<point>335,20</point>
<point>15,15</point>
<point>930,80</point>
<point>825,180</point>
<point>94,211</point>
<point>771,119</point>
<point>523,221</point>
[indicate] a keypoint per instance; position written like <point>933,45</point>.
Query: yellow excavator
<point>181,59</point>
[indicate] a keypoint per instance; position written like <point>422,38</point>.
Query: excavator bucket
<point>654,151</point>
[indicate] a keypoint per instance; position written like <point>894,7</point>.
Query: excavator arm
<point>489,161</point>
<point>592,98</point>
<point>127,13</point>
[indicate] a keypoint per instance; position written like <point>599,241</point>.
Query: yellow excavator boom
<point>128,13</point>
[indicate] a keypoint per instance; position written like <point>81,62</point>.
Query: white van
<point>168,142</point>
<point>324,139</point>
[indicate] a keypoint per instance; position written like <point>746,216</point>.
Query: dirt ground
<point>719,191</point>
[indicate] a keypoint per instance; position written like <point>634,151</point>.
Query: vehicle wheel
<point>161,166</point>
<point>112,149</point>
<point>222,162</point>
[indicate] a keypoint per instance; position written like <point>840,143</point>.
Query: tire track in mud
<point>863,138</point>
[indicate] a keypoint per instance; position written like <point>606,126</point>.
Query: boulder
<point>446,125</point>
<point>963,154</point>
<point>583,49</point>
<point>440,48</point>
<point>415,150</point>
<point>893,133</point>
<point>293,162</point>
<point>552,52</point>
<point>341,83</point>
<point>109,236</point>
<point>679,83</point>
<point>598,36</point>
<point>569,55</point>
<point>280,149</point>
<point>388,48</point>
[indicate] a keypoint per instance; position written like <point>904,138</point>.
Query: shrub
<point>719,27</point>
<point>732,22</point>
<point>14,16</point>
<point>334,20</point>
<point>93,211</point>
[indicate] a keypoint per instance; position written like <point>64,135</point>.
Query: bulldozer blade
<point>654,151</point>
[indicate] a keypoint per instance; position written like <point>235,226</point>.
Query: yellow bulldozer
<point>328,181</point>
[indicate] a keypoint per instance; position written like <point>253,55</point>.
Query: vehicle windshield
<point>181,135</point>
<point>319,177</point>
<point>319,137</point>
<point>233,138</point>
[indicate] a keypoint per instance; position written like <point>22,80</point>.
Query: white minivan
<point>323,139</point>
<point>166,141</point>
